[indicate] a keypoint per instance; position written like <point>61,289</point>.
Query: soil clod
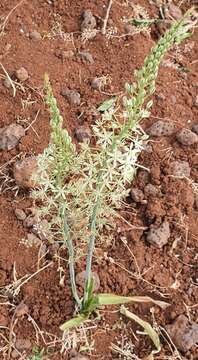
<point>35,35</point>
<point>137,195</point>
<point>180,168</point>
<point>88,21</point>
<point>20,214</point>
<point>24,171</point>
<point>83,133</point>
<point>22,74</point>
<point>72,96</point>
<point>86,57</point>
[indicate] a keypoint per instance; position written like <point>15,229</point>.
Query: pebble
<point>20,214</point>
<point>10,136</point>
<point>80,280</point>
<point>21,74</point>
<point>97,84</point>
<point>151,190</point>
<point>24,171</point>
<point>72,96</point>
<point>195,128</point>
<point>159,236</point>
<point>137,195</point>
<point>187,137</point>
<point>86,57</point>
<point>33,240</point>
<point>161,128</point>
<point>23,344</point>
<point>35,35</point>
<point>42,229</point>
<point>83,133</point>
<point>21,310</point>
<point>88,21</point>
<point>7,83</point>
<point>183,333</point>
<point>172,11</point>
<point>15,354</point>
<point>180,168</point>
<point>30,221</point>
<point>65,54</point>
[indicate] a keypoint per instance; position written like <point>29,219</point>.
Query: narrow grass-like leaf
<point>111,299</point>
<point>146,326</point>
<point>73,322</point>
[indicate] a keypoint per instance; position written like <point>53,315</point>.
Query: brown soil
<point>169,273</point>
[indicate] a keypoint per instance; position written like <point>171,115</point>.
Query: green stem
<point>70,248</point>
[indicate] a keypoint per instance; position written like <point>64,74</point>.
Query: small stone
<point>24,171</point>
<point>159,236</point>
<point>151,190</point>
<point>15,354</point>
<point>137,195</point>
<point>180,168</point>
<point>73,353</point>
<point>7,83</point>
<point>86,57</point>
<point>183,333</point>
<point>42,230</point>
<point>10,136</point>
<point>195,128</point>
<point>22,74</point>
<point>187,137</point>
<point>72,96</point>
<point>33,240</point>
<point>80,280</point>
<point>20,214</point>
<point>65,54</point>
<point>172,11</point>
<point>21,310</point>
<point>35,35</point>
<point>83,133</point>
<point>23,344</point>
<point>88,21</point>
<point>30,221</point>
<point>161,128</point>
<point>97,84</point>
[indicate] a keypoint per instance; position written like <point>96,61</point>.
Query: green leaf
<point>106,105</point>
<point>144,22</point>
<point>73,322</point>
<point>111,299</point>
<point>147,327</point>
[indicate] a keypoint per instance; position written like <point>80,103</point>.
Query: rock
<point>42,229</point>
<point>86,57</point>
<point>137,195</point>
<point>195,128</point>
<point>187,137</point>
<point>24,171</point>
<point>88,21</point>
<point>161,128</point>
<point>183,333</point>
<point>20,214</point>
<point>151,190</point>
<point>65,54</point>
<point>7,83</point>
<point>21,310</point>
<point>80,280</point>
<point>83,133</point>
<point>97,83</point>
<point>30,221</point>
<point>15,354</point>
<point>23,344</point>
<point>159,236</point>
<point>10,136</point>
<point>33,240</point>
<point>72,96</point>
<point>35,35</point>
<point>180,168</point>
<point>172,11</point>
<point>22,74</point>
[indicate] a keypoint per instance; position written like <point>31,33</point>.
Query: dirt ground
<point>129,264</point>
